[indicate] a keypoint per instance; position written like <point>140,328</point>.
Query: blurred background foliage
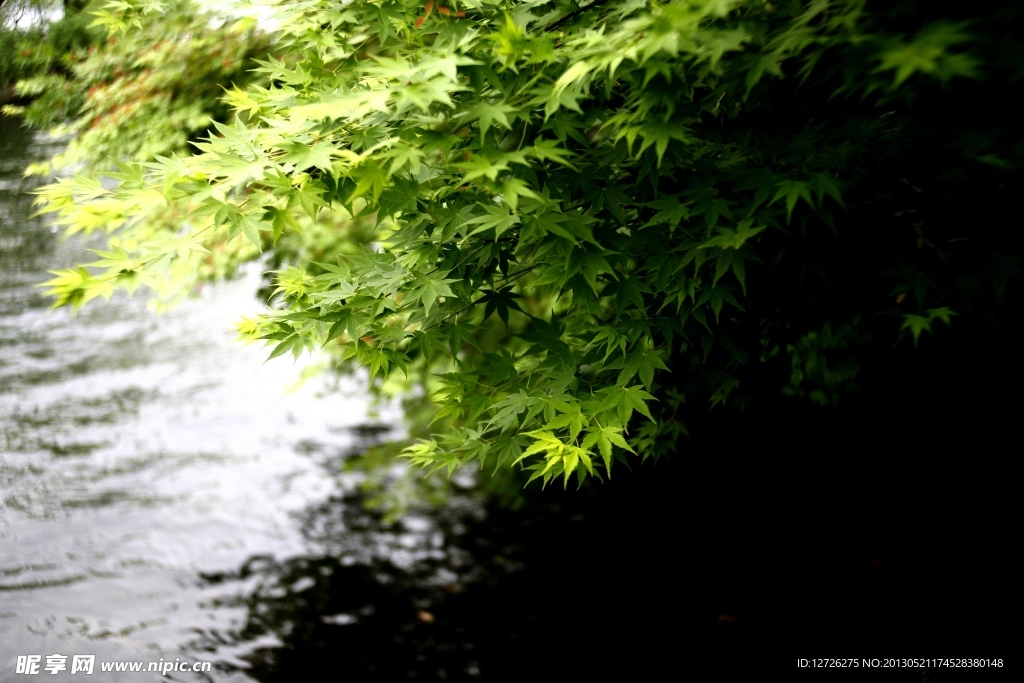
<point>138,94</point>
<point>39,36</point>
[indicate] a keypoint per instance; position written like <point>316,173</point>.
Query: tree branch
<point>572,15</point>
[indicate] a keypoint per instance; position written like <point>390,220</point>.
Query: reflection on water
<point>375,602</point>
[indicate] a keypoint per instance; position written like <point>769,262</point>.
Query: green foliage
<point>825,362</point>
<point>145,93</point>
<point>140,95</point>
<point>13,66</point>
<point>38,48</point>
<point>584,224</point>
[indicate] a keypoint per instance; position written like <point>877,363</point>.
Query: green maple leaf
<point>624,400</point>
<point>670,210</point>
<point>604,438</point>
<point>236,170</point>
<point>305,156</point>
<point>514,188</point>
<point>734,239</point>
<point>487,113</point>
<point>645,363</point>
<point>250,226</point>
<point>549,150</point>
<point>793,191</point>
<point>500,301</point>
<point>497,217</point>
<point>660,134</point>
<point>428,289</point>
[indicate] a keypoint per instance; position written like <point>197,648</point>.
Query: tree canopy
<point>578,226</point>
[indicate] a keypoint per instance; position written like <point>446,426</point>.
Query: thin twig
<point>572,15</point>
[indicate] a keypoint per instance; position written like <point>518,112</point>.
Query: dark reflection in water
<point>378,605</point>
<point>578,584</point>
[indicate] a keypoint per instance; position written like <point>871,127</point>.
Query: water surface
<point>141,453</point>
